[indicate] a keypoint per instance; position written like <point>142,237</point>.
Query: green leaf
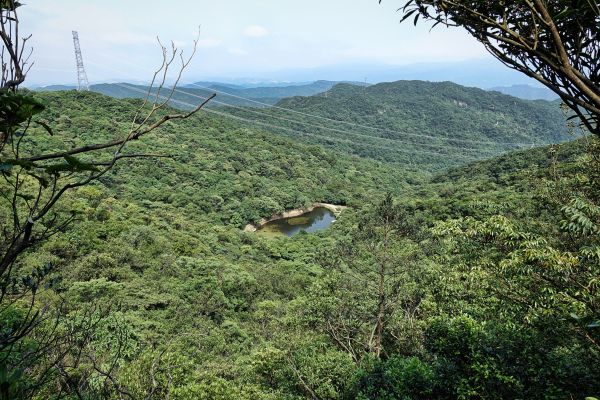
<point>16,108</point>
<point>45,126</point>
<point>407,15</point>
<point>574,316</point>
<point>567,12</point>
<point>416,19</point>
<point>8,164</point>
<point>72,165</point>
<point>9,5</point>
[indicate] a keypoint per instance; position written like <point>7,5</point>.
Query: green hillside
<point>183,97</point>
<point>255,97</point>
<point>192,307</point>
<point>249,174</point>
<point>413,123</point>
<point>272,92</point>
<point>417,123</point>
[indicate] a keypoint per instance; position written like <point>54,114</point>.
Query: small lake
<point>318,219</point>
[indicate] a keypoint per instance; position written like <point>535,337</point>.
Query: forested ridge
<point>473,282</point>
<point>224,171</point>
<point>420,125</point>
<point>232,95</point>
<point>425,124</point>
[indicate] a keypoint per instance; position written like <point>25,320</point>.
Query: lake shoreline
<point>335,209</point>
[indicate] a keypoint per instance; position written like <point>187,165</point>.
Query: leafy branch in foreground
<point>33,181</point>
<point>555,42</point>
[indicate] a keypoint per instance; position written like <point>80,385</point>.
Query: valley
<point>300,200</point>
<point>162,239</point>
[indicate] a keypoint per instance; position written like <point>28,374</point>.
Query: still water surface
<point>313,221</point>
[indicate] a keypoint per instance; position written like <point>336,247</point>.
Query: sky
<point>254,39</point>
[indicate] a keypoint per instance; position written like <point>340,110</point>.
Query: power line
<point>364,126</point>
<point>479,150</point>
<point>395,141</point>
<point>328,138</point>
<point>522,145</point>
<point>516,144</point>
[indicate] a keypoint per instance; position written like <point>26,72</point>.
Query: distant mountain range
<point>482,73</point>
<point>271,93</point>
<point>54,88</point>
<point>263,94</point>
<point>249,84</point>
<point>527,92</point>
<point>227,94</point>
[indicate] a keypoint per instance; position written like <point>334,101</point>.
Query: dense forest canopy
<point>160,241</point>
<point>430,125</point>
<point>127,274</point>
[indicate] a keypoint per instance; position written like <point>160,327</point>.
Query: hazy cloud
<point>256,31</point>
<point>237,51</point>
<point>126,38</point>
<point>244,44</point>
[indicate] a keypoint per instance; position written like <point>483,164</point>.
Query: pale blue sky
<point>240,38</point>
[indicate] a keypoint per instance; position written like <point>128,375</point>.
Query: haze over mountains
<point>273,86</point>
<point>482,73</point>
<point>527,92</point>
<point>271,92</point>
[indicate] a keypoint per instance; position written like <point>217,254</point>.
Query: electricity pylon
<point>82,80</point>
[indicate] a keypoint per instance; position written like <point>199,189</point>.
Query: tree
<point>555,42</point>
<point>33,182</point>
<point>549,276</point>
<point>371,297</point>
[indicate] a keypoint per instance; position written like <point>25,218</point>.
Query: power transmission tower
<point>82,80</point>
